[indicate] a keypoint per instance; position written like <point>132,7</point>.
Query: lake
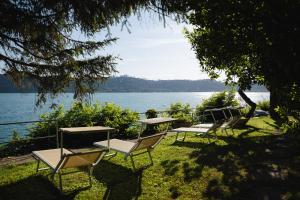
<point>17,107</point>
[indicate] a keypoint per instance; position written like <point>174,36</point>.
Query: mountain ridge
<point>132,84</point>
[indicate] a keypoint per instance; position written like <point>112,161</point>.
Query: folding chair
<point>56,161</point>
<point>128,148</point>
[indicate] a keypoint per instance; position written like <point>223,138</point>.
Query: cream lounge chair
<point>57,161</point>
<point>128,148</point>
<point>209,125</point>
<point>203,125</point>
<point>231,121</point>
<point>201,131</point>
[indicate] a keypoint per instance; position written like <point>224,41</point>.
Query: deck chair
<point>57,161</point>
<point>200,131</point>
<point>231,120</point>
<point>128,148</point>
<point>203,125</point>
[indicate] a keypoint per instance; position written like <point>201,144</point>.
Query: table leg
<point>108,141</point>
<point>61,143</point>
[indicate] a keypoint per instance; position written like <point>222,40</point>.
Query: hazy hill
<point>130,84</point>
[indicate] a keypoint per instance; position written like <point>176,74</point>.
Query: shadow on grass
<point>170,166</point>
<point>121,182</point>
<point>34,187</point>
<point>275,126</point>
<point>252,168</point>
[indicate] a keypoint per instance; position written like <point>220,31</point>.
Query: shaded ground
<point>253,163</point>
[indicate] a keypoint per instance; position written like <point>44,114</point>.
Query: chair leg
<point>176,139</point>
<point>180,139</point>
<point>90,175</point>
<point>38,165</point>
<point>150,157</point>
<point>60,181</point>
<point>132,162</point>
<point>208,139</point>
<point>184,136</point>
<point>226,132</point>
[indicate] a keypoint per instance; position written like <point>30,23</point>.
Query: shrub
<point>49,121</point>
<point>82,114</point>
<point>264,105</point>
<point>182,112</point>
<point>151,113</point>
<point>151,129</point>
<point>113,116</point>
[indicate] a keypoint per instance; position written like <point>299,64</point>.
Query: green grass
<point>253,163</point>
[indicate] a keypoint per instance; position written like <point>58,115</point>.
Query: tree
<point>36,41</point>
<point>251,41</point>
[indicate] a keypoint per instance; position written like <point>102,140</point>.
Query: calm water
<point>17,107</point>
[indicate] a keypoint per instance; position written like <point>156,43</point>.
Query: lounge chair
<point>57,161</point>
<point>201,131</point>
<point>128,148</point>
<point>203,125</point>
<point>231,121</point>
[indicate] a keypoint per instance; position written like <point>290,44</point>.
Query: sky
<point>151,50</point>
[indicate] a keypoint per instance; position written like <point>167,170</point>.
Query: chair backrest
<point>149,141</point>
<point>82,159</point>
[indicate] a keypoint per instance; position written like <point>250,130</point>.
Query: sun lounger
<point>57,161</point>
<point>128,148</point>
<point>203,125</point>
<point>231,121</point>
<point>203,131</point>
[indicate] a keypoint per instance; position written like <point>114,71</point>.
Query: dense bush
<point>182,112</point>
<point>217,100</point>
<point>82,114</point>
<point>151,113</point>
<point>114,116</point>
<point>263,105</point>
<point>151,129</point>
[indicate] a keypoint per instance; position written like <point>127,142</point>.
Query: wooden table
<point>156,121</point>
<point>77,130</point>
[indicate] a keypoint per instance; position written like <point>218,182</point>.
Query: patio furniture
<point>129,148</point>
<point>156,121</point>
<point>203,125</point>
<point>60,158</point>
<point>80,130</point>
<point>56,161</point>
<point>201,131</point>
<point>231,121</point>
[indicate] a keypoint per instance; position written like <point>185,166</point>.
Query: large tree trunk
<point>249,102</point>
<point>274,102</point>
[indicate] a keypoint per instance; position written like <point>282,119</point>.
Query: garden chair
<point>128,148</point>
<point>231,121</point>
<point>216,122</point>
<point>57,161</point>
<point>201,131</point>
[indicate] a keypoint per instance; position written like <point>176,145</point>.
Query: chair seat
<point>190,129</point>
<point>51,156</point>
<point>117,145</point>
<point>204,125</point>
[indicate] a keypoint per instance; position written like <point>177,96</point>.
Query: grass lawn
<point>253,163</point>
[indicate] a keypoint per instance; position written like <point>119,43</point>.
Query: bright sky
<point>152,51</point>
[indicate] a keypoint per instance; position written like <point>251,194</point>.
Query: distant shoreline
<point>135,92</point>
<point>125,84</point>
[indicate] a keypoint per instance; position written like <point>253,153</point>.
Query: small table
<point>92,129</point>
<point>156,121</point>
